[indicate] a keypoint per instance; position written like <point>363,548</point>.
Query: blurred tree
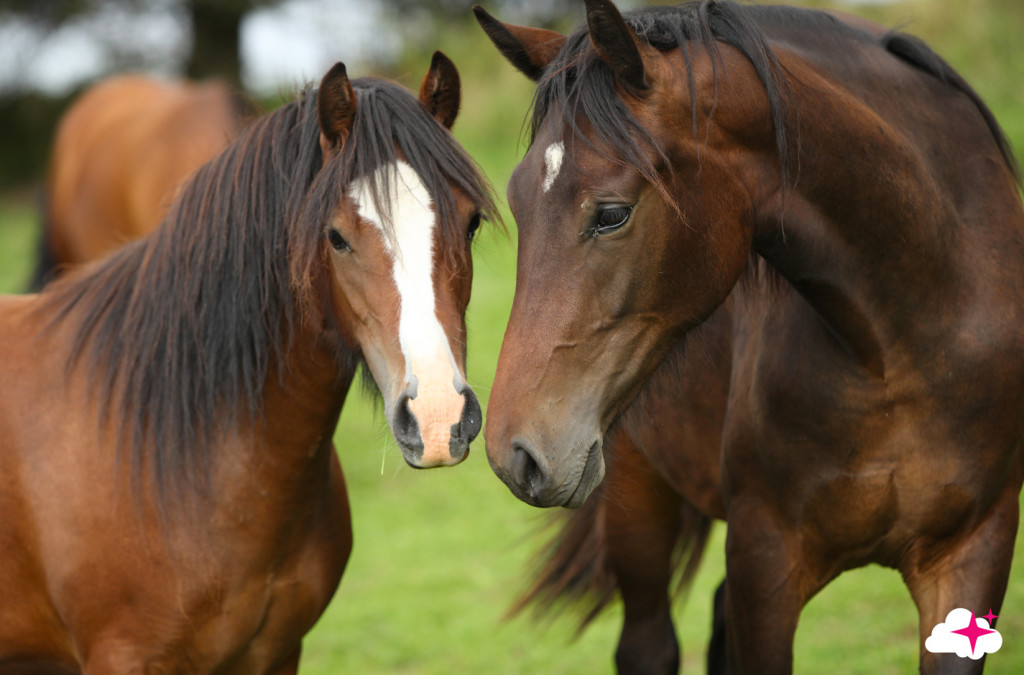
<point>215,37</point>
<point>27,117</point>
<point>49,14</point>
<point>213,25</point>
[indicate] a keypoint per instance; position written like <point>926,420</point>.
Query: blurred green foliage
<point>27,122</point>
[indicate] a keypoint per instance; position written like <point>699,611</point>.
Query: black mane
<point>180,331</point>
<point>579,83</point>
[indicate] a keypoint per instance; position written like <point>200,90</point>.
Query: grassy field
<point>440,555</point>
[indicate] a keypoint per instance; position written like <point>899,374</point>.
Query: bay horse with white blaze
<point>834,213</point>
<point>171,494</point>
<point>120,153</point>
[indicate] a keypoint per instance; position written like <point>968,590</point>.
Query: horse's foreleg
<point>289,667</point>
<point>717,658</point>
<point>641,515</point>
<point>768,581</point>
<point>970,573</point>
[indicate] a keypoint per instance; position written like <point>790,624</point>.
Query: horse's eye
<point>337,241</point>
<point>474,225</point>
<point>611,217</point>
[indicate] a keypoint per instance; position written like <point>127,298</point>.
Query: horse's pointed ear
<point>528,49</point>
<point>441,90</point>
<point>336,105</point>
<point>616,43</point>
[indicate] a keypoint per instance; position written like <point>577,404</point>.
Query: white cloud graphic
<point>944,641</point>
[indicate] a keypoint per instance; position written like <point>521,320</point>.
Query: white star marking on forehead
<point>552,164</point>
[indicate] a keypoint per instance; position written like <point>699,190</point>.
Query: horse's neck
<point>302,405</point>
<point>875,234</point>
<point>291,446</point>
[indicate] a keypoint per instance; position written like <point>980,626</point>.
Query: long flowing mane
<point>579,84</point>
<point>180,331</point>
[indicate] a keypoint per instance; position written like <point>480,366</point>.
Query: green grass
<point>18,241</point>
<point>440,555</point>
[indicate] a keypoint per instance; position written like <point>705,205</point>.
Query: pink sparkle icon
<point>981,639</point>
<point>972,631</point>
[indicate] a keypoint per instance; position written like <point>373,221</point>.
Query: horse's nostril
<point>407,430</point>
<point>531,473</point>
<point>528,473</point>
<point>472,417</point>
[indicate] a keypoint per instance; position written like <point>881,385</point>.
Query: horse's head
<point>629,235</point>
<point>398,243</point>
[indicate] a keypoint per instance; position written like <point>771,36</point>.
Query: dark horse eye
<point>611,217</point>
<point>337,241</point>
<point>474,225</point>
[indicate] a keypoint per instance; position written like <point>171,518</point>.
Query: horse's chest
<point>294,597</point>
<point>862,465</point>
<point>259,625</point>
<point>248,608</point>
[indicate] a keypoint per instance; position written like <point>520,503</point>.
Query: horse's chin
<point>590,478</point>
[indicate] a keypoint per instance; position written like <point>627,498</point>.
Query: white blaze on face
<point>431,375</point>
<point>552,164</point>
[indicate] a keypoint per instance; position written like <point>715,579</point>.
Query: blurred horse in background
<point>120,153</point>
<point>172,500</point>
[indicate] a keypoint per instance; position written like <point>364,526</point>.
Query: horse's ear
<point>528,49</point>
<point>441,90</point>
<point>336,105</point>
<point>616,44</point>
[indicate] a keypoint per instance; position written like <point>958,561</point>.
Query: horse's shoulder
<point>18,312</point>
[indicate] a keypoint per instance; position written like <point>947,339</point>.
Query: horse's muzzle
<point>420,453</point>
<point>536,480</point>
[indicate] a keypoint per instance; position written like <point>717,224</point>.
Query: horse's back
<point>119,155</point>
<point>910,94</point>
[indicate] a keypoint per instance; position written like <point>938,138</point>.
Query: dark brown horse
<point>172,498</point>
<point>119,154</point>
<point>830,212</point>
